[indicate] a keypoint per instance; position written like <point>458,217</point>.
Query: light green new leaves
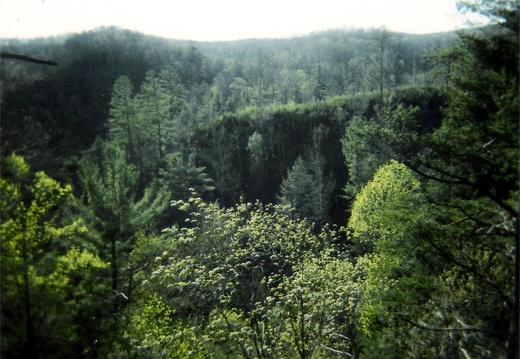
<point>73,262</point>
<point>384,213</point>
<point>315,309</point>
<point>245,271</point>
<point>150,333</point>
<point>385,205</point>
<point>44,264</point>
<point>32,222</point>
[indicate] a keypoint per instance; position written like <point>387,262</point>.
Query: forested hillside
<point>69,103</point>
<point>341,194</point>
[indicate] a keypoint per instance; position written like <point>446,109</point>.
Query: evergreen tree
<point>122,125</point>
<point>154,111</point>
<point>257,159</point>
<point>125,127</point>
<point>182,177</point>
<point>307,187</point>
<point>112,195</point>
<point>219,155</point>
<point>176,93</point>
<point>319,86</point>
<point>296,187</point>
<point>322,184</point>
<point>380,61</point>
<point>469,176</point>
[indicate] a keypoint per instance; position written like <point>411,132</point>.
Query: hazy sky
<point>224,19</point>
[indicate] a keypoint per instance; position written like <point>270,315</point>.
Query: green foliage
<point>148,125</point>
<point>48,279</point>
<point>395,282</point>
<point>391,133</point>
<point>237,276</point>
<point>376,210</point>
<point>361,162</point>
<point>381,60</point>
<point>316,309</point>
<point>219,155</point>
<point>434,212</point>
<point>150,333</point>
<point>409,281</point>
<point>123,126</point>
<point>296,188</point>
<point>111,187</point>
<point>322,182</point>
<point>257,158</point>
<point>154,103</point>
<point>69,103</point>
<point>307,187</point>
<point>181,177</point>
<point>441,272</point>
<point>422,286</point>
<point>319,87</point>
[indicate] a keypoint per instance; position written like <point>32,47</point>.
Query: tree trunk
<point>512,343</point>
<point>30,335</point>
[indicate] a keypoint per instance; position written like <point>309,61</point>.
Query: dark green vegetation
<point>337,195</point>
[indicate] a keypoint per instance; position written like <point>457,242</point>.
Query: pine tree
<point>319,86</point>
<point>307,187</point>
<point>122,124</point>
<point>154,112</point>
<point>322,184</point>
<point>112,195</point>
<point>183,177</point>
<point>296,187</point>
<point>125,127</point>
<point>176,102</point>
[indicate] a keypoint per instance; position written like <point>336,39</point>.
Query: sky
<point>210,20</point>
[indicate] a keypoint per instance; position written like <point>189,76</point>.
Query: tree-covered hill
<point>59,111</point>
<point>261,146</point>
<point>346,194</point>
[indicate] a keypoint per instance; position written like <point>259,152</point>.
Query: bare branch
<point>5,55</point>
<point>338,352</point>
<point>437,329</point>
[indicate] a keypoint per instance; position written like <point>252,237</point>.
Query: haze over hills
<point>97,58</point>
<point>205,20</point>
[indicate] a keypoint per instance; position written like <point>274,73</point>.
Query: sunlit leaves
<point>385,204</point>
<point>44,261</point>
<point>444,247</point>
<point>149,333</point>
<point>245,271</point>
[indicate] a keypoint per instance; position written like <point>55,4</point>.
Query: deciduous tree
<point>48,266</point>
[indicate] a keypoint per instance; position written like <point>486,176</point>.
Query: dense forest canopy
<point>341,194</point>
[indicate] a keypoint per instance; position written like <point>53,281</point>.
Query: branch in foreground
<point>5,55</point>
<point>437,329</point>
